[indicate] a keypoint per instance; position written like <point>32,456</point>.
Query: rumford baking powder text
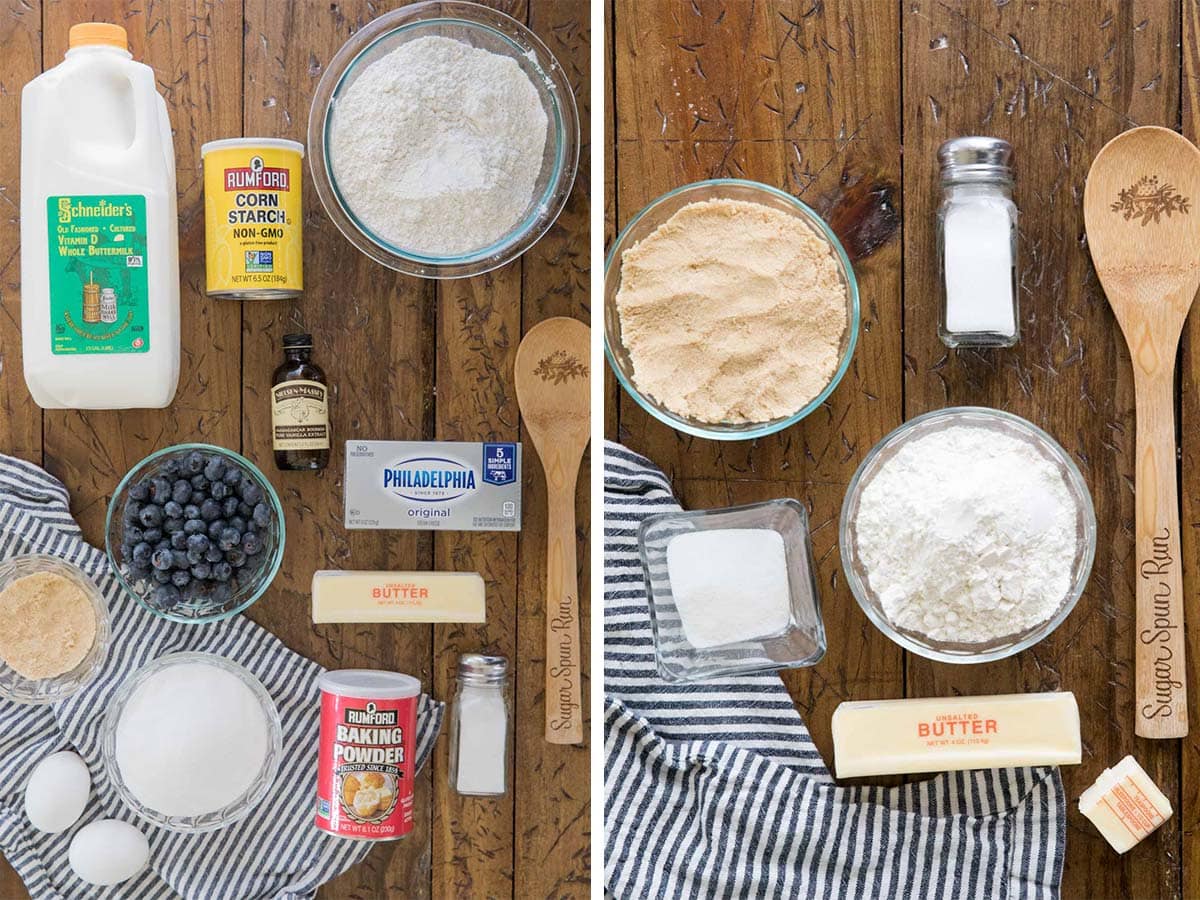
<point>369,736</point>
<point>1165,684</point>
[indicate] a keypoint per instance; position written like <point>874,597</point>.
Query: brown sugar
<point>47,625</point>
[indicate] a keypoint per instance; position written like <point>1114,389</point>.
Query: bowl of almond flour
<point>730,309</point>
<point>443,139</point>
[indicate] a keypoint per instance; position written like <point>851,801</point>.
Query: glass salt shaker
<point>977,244</point>
<point>480,733</point>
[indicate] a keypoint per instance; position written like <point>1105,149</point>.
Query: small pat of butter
<point>386,597</point>
<point>1125,804</point>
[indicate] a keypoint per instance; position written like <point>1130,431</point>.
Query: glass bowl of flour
<point>443,139</point>
<point>967,535</point>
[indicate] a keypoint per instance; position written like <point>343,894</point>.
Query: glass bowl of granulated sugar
<point>730,309</point>
<point>443,139</point>
<point>967,535</point>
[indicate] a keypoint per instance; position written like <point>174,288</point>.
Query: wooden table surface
<point>844,103</point>
<point>406,359</point>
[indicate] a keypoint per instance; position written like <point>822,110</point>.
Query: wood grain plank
<point>20,417</point>
<point>195,50</point>
<point>373,331</point>
<point>1188,807</point>
<point>1057,82</point>
<point>552,785</point>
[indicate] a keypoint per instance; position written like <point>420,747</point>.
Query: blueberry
<point>222,571</point>
<point>181,492</point>
<point>202,571</point>
<point>238,524</point>
<point>172,526</point>
<point>132,510</point>
<point>152,535</point>
<point>229,538</point>
<point>142,553</point>
<point>245,509</point>
<point>161,559</point>
<point>195,526</point>
<point>221,593</point>
<point>198,483</point>
<point>140,490</point>
<point>210,510</point>
<point>198,542</point>
<point>219,490</point>
<point>162,576</point>
<point>179,559</point>
<point>235,557</point>
<point>250,492</point>
<point>195,557</point>
<point>151,516</point>
<point>251,544</point>
<point>181,577</point>
<point>172,510</point>
<point>215,469</point>
<point>191,511</point>
<point>166,595</point>
<point>232,476</point>
<point>193,463</point>
<point>229,506</point>
<point>172,466</point>
<point>161,489</point>
<point>179,541</point>
<point>134,535</point>
<point>214,554</point>
<point>262,515</point>
<point>163,544</point>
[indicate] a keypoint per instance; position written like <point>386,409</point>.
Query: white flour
<point>437,146</point>
<point>967,535</point>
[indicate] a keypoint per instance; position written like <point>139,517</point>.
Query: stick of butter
<point>943,734</point>
<point>370,597</point>
<point>1125,804</point>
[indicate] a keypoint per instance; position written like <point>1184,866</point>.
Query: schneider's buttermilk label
<point>433,484</point>
<point>99,286</point>
<point>300,415</point>
<point>365,766</point>
<point>253,219</point>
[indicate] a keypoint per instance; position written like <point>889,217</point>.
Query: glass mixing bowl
<point>654,215</point>
<point>480,27</point>
<point>1006,423</point>
<point>234,811</point>
<point>249,582</point>
<point>18,688</point>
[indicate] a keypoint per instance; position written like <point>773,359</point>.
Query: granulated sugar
<point>732,312</point>
<point>436,147</point>
<point>967,534</point>
<point>192,739</point>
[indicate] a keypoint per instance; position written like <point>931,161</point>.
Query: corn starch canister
<point>367,754</point>
<point>253,219</point>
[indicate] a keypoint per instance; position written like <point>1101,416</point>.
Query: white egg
<point>57,792</point>
<point>108,852</point>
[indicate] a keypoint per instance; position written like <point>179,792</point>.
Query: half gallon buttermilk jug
<point>99,231</point>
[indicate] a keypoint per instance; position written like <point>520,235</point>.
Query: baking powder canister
<point>367,754</point>
<point>253,218</point>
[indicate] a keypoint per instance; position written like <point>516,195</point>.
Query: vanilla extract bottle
<point>300,431</point>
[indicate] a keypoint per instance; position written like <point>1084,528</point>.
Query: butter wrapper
<point>435,485</point>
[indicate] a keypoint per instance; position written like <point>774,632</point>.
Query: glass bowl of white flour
<point>967,535</point>
<point>443,139</point>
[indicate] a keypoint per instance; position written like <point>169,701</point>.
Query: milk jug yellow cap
<point>87,34</point>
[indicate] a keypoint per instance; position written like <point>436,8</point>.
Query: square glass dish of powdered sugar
<point>731,590</point>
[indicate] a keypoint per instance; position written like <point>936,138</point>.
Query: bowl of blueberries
<point>195,533</point>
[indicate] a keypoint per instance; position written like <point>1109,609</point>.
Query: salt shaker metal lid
<point>975,158</point>
<point>479,668</point>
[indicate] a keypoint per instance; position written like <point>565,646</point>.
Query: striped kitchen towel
<point>715,788</point>
<point>276,851</point>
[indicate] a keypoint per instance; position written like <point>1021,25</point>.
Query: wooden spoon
<point>554,393</point>
<point>1143,228</point>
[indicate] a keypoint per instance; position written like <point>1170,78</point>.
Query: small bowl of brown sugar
<point>54,629</point>
<point>730,309</point>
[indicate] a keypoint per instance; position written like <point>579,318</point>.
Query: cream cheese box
<point>441,485</point>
